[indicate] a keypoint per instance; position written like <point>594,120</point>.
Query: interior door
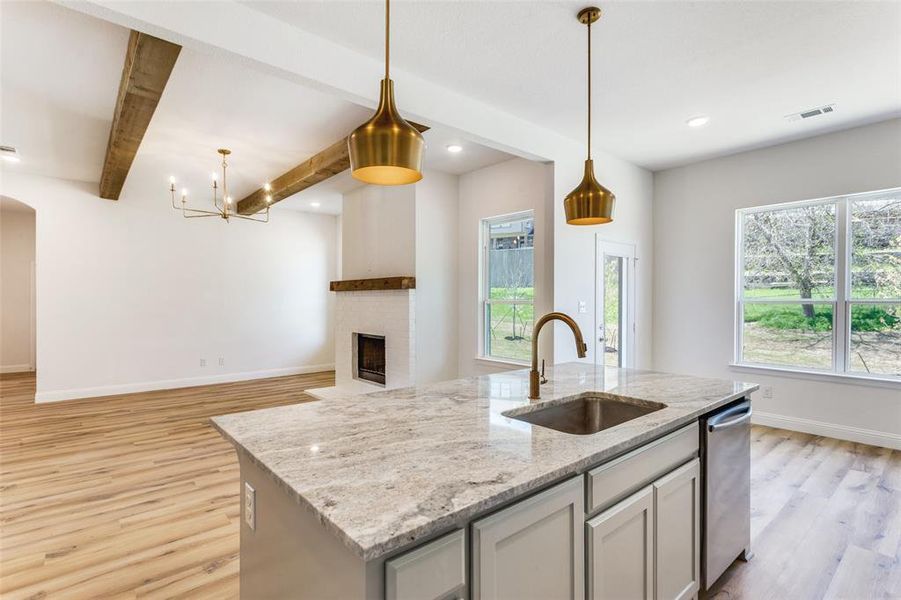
<point>615,319</point>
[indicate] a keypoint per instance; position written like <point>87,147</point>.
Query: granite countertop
<point>385,469</point>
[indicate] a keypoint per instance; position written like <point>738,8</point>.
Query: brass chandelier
<point>386,150</point>
<point>226,210</point>
<point>590,203</point>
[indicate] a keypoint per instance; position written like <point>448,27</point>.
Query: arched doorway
<point>17,287</point>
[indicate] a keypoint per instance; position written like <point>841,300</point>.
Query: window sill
<point>868,380</point>
<point>505,362</point>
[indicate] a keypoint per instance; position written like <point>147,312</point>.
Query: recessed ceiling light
<point>9,154</point>
<point>314,204</point>
<point>454,148</point>
<point>698,121</point>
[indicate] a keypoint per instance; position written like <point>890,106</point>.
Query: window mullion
<point>841,332</point>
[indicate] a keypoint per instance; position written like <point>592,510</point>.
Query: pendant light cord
<point>387,35</point>
<point>589,89</point>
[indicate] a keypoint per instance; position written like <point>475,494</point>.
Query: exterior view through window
<point>508,286</point>
<point>819,285</point>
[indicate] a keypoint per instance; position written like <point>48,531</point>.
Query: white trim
<point>627,252</point>
<point>841,432</point>
<point>842,297</point>
<point>16,368</point>
<point>484,298</point>
<point>168,384</point>
<point>822,376</point>
<point>502,362</point>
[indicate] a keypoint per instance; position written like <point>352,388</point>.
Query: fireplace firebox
<point>370,364</point>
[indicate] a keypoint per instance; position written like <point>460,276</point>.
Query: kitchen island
<point>344,498</point>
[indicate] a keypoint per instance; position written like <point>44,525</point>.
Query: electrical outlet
<point>250,506</point>
<point>766,391</point>
<point>202,362</point>
<point>221,361</point>
<point>583,307</point>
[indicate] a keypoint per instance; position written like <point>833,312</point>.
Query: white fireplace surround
<point>389,313</point>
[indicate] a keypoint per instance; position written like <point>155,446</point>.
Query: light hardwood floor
<point>825,521</point>
<point>125,496</point>
<point>137,496</point>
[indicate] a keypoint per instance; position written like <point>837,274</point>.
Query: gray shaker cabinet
<point>677,516</point>
<point>621,550</point>
<point>434,571</point>
<point>533,549</point>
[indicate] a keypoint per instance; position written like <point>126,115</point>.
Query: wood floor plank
<point>835,532</point>
<point>124,496</point>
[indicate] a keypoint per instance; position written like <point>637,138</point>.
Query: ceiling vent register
<point>812,112</point>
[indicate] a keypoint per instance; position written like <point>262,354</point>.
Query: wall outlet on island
<point>250,506</point>
<point>202,362</point>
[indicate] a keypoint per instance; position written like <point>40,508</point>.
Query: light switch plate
<point>250,506</point>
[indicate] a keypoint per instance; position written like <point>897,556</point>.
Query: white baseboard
<point>15,368</point>
<point>841,432</point>
<point>168,384</point>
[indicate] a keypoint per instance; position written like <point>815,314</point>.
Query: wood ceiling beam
<point>148,64</point>
<point>317,168</point>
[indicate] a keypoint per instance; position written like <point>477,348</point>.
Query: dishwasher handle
<point>729,418</point>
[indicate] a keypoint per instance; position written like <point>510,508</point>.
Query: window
<point>819,285</point>
<point>508,286</point>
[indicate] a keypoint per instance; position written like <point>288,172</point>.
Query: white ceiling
<point>59,117</point>
<point>60,72</point>
<point>746,64</point>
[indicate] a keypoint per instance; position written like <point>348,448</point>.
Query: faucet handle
<point>543,378</point>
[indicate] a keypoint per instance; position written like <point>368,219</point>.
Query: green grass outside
<point>864,317</point>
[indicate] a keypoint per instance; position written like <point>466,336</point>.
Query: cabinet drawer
<point>617,479</point>
<point>435,571</point>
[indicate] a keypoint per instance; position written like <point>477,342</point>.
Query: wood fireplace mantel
<point>379,283</point>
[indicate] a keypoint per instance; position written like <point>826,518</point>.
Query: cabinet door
<point>678,541</point>
<point>621,550</point>
<point>433,571</point>
<point>532,549</point>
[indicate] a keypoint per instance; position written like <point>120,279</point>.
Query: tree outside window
<point>802,303</point>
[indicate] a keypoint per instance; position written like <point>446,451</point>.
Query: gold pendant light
<point>590,203</point>
<point>386,150</point>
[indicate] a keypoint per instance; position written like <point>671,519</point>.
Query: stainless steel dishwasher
<point>726,448</point>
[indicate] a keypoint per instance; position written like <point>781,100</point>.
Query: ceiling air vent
<point>811,112</point>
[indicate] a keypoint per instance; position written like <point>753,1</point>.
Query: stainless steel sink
<point>586,414</point>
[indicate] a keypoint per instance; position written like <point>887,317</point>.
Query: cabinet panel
<point>621,550</point>
<point>434,571</point>
<point>533,549</point>
<point>678,545</point>
<point>617,479</point>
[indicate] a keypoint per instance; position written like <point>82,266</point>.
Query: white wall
<point>694,248</point>
<point>575,253</point>
<point>130,296</point>
<point>437,343</point>
<point>508,187</point>
<point>378,232</point>
<point>16,288</point>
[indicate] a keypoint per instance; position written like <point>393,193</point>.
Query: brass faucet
<point>581,348</point>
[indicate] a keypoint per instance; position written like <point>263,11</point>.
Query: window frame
<point>484,284</point>
<point>841,301</point>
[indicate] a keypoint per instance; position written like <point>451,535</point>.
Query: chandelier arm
<point>251,217</point>
<point>202,215</point>
<point>211,213</point>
